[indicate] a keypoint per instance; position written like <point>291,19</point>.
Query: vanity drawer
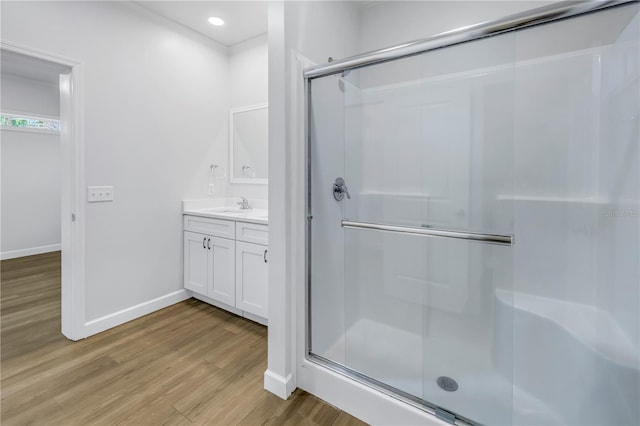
<point>210,226</point>
<point>252,233</point>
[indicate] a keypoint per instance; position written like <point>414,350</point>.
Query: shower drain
<point>447,383</point>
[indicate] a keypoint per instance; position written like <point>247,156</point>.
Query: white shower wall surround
<point>532,133</point>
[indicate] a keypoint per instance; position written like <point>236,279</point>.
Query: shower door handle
<point>340,189</point>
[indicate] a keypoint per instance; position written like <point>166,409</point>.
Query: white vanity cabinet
<point>209,266</point>
<point>196,262</point>
<point>252,268</point>
<point>226,264</point>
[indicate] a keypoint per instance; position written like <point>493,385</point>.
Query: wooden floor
<point>187,364</point>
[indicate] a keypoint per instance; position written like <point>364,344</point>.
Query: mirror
<point>249,144</point>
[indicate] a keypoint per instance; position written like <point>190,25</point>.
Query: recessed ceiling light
<point>214,20</point>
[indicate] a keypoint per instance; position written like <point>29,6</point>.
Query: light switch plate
<point>97,194</point>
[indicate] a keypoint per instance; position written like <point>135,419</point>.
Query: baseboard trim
<point>217,304</point>
<point>12,254</point>
<point>109,321</point>
<point>255,318</point>
<point>232,309</point>
<point>279,385</point>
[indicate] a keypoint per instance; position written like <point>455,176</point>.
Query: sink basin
<point>234,213</point>
<point>225,211</point>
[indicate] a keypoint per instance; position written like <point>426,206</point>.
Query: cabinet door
<point>251,278</point>
<point>223,285</point>
<point>196,262</point>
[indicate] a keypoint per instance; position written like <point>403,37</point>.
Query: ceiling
<point>243,19</point>
<point>32,68</point>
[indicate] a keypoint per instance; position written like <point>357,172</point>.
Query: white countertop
<point>260,216</point>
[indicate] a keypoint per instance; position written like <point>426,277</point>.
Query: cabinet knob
<point>265,256</point>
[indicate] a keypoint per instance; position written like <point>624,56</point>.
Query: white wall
<point>156,115</point>
<point>30,171</point>
<point>316,30</point>
<point>387,23</point>
<point>248,67</point>
<point>27,95</point>
<point>248,71</point>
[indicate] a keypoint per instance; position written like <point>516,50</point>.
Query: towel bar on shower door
<point>506,240</point>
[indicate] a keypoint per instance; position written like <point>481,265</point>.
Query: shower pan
<point>473,209</point>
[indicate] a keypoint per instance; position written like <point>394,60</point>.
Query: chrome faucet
<point>244,204</point>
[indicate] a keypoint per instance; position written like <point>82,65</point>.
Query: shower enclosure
<point>473,219</point>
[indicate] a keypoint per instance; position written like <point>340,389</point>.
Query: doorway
<point>41,198</point>
<point>31,198</point>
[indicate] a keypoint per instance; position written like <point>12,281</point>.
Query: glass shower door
<point>411,262</point>
<point>421,171</point>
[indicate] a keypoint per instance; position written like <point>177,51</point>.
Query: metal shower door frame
<point>551,13</point>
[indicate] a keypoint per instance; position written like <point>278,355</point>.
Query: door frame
<point>73,182</point>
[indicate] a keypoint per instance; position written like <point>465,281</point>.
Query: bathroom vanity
<point>226,255</point>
